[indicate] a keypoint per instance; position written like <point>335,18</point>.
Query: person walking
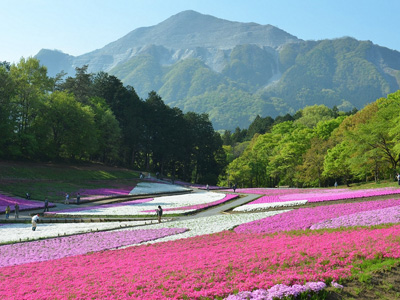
<point>159,212</point>
<point>66,198</point>
<point>16,211</point>
<point>234,187</point>
<point>78,198</point>
<point>398,178</point>
<point>8,211</point>
<point>46,205</point>
<point>208,187</point>
<point>35,219</point>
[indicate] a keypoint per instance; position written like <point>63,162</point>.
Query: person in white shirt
<point>35,219</point>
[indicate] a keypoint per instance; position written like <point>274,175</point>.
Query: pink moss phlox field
<point>203,266</point>
<point>364,218</point>
<point>23,204</point>
<point>200,206</point>
<point>22,253</point>
<point>332,194</point>
<point>77,209</point>
<point>314,195</point>
<point>279,291</point>
<point>304,218</point>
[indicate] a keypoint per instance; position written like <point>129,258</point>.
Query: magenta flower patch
<point>201,267</point>
<point>23,203</point>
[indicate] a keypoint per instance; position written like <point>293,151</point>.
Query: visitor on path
<point>66,198</point>
<point>28,196</point>
<point>335,184</point>
<point>8,211</point>
<point>207,187</point>
<point>78,198</point>
<point>35,219</point>
<point>46,205</point>
<point>234,187</point>
<point>398,178</point>
<point>16,211</point>
<point>159,212</point>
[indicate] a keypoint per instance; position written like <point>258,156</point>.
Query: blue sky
<point>80,26</point>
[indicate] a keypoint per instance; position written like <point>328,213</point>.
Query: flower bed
<point>22,253</point>
<point>23,232</point>
<point>210,225</point>
<point>99,208</point>
<point>23,203</point>
<point>206,266</point>
<point>145,188</point>
<point>333,195</point>
<point>304,218</point>
<point>191,208</point>
<point>264,206</point>
<point>168,203</point>
<point>275,196</point>
<point>364,218</point>
<point>281,291</point>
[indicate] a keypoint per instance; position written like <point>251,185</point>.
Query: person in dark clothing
<point>159,212</point>
<point>46,205</point>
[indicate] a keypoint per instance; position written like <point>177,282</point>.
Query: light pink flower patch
<point>22,253</point>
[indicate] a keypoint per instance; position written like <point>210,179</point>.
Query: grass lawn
<point>54,180</point>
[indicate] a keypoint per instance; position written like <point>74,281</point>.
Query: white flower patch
<point>166,202</point>
<point>143,188</point>
<point>209,225</point>
<point>264,206</point>
<point>23,232</point>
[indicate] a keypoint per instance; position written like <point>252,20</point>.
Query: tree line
<point>94,117</point>
<point>320,146</point>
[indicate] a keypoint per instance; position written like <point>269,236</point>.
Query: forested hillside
<point>318,146</point>
<point>94,117</point>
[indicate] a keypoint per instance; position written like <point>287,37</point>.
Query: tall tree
<point>129,112</point>
<point>7,91</point>
<point>32,84</point>
<point>71,127</point>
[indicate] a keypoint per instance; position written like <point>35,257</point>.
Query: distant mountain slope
<point>234,71</point>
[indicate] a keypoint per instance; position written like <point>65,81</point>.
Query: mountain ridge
<point>235,71</point>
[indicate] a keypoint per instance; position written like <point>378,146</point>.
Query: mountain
<point>235,71</point>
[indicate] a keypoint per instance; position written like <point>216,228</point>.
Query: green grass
<point>54,180</point>
<point>373,184</point>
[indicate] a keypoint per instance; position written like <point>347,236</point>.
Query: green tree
<point>71,127</point>
<point>336,163</point>
<point>108,132</point>
<point>31,86</point>
<point>81,85</point>
<point>7,91</point>
<point>129,112</point>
